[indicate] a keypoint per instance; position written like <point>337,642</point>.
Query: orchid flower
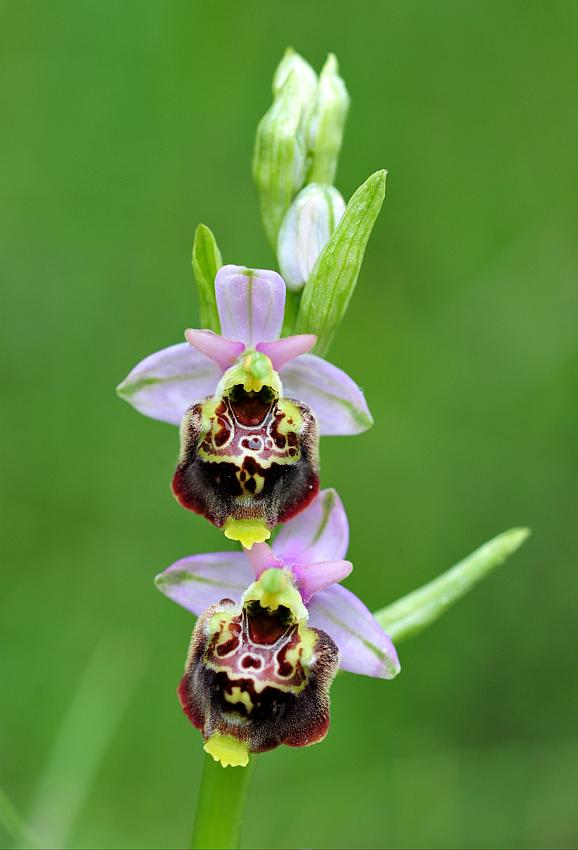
<point>251,304</point>
<point>257,675</point>
<point>248,457</point>
<point>309,551</point>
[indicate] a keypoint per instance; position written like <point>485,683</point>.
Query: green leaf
<point>330,286</point>
<point>412,613</point>
<point>280,157</point>
<point>13,823</point>
<point>207,261</point>
<point>98,702</point>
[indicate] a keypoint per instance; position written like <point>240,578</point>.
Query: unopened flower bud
<point>306,77</point>
<point>327,123</point>
<point>280,157</point>
<point>306,228</point>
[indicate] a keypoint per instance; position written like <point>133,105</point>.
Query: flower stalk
<point>221,806</point>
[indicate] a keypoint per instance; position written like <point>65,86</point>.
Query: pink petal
<point>336,400</point>
<point>364,646</point>
<point>165,384</point>
<point>223,351</point>
<point>201,580</point>
<point>319,533</point>
<point>261,557</point>
<point>311,578</point>
<point>281,351</point>
<point>250,303</point>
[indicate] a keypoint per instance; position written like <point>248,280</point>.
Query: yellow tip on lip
<point>228,751</point>
<point>247,531</point>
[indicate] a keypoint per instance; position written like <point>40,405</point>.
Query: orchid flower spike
<point>250,304</point>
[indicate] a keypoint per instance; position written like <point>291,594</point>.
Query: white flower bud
<point>305,76</point>
<point>327,123</point>
<point>306,228</point>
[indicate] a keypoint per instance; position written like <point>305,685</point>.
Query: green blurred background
<point>124,124</point>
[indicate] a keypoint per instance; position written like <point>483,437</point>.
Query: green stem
<point>221,805</point>
<point>292,301</point>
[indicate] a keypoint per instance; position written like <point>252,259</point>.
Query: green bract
<point>411,614</point>
<point>207,261</point>
<point>327,123</point>
<point>331,283</point>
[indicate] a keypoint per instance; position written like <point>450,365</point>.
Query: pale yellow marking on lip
<point>238,695</point>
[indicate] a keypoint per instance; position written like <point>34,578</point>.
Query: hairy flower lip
<point>311,548</point>
<point>248,457</point>
<point>257,673</point>
<point>251,305</point>
<point>291,707</point>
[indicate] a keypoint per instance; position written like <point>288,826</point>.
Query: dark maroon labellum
<point>247,456</point>
<point>258,675</point>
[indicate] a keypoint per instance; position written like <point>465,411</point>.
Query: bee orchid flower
<point>250,406</point>
<point>231,689</point>
<point>309,552</point>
